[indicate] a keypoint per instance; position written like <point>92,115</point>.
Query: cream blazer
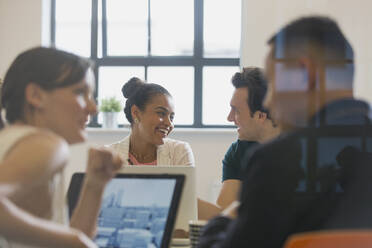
<point>172,152</point>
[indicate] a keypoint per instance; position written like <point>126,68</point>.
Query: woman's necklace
<point>142,158</point>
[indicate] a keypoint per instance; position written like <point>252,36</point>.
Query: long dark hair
<point>49,68</point>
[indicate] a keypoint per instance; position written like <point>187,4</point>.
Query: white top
<point>9,137</point>
<point>172,152</point>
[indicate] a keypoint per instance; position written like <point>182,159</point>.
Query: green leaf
<point>110,104</point>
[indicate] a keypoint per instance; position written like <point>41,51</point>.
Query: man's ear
<point>261,116</point>
<point>35,95</point>
<point>310,66</point>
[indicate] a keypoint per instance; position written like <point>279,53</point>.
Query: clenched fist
<point>103,164</point>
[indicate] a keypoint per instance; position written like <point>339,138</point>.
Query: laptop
<point>188,207</point>
<point>138,210</point>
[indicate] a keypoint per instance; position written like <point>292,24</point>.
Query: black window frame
<point>196,60</point>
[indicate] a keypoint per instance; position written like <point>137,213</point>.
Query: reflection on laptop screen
<point>188,205</point>
<point>138,211</point>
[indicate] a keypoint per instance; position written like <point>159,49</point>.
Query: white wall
<point>262,18</point>
<point>20,28</point>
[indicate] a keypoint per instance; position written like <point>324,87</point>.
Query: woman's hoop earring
<point>136,120</point>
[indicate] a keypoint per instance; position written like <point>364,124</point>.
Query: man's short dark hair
<point>302,35</point>
<point>253,79</point>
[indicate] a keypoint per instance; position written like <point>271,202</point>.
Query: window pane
<point>172,32</point>
<point>127,27</point>
<point>217,92</point>
<point>222,22</point>
<point>111,80</point>
<point>179,81</point>
<point>73,26</point>
<point>99,38</point>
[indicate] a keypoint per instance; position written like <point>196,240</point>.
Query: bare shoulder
<point>38,150</point>
<point>40,142</point>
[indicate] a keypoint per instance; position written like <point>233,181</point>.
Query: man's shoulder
<point>282,145</point>
<point>283,152</point>
<point>241,145</point>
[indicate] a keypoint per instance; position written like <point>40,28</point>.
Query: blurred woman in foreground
<point>46,100</point>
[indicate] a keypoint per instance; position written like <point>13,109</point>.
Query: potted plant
<point>110,107</point>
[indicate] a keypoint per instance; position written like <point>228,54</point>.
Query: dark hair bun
<point>130,87</point>
<point>238,76</point>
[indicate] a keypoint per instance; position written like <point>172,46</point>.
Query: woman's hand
<point>103,164</point>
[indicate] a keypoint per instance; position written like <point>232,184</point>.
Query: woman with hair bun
<point>149,109</point>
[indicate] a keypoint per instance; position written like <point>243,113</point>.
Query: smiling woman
<point>46,100</point>
<point>150,111</point>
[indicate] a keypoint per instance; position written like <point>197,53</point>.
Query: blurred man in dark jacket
<point>317,174</point>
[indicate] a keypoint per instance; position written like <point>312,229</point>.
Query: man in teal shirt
<point>254,126</point>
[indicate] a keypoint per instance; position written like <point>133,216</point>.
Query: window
<point>183,45</point>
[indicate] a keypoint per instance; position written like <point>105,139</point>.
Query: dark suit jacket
<point>319,177</point>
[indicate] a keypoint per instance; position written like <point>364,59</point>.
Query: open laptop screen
<point>188,205</point>
<point>137,210</point>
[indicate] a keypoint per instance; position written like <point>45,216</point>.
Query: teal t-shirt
<point>231,164</point>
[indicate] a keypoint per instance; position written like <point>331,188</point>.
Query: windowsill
<point>179,130</point>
